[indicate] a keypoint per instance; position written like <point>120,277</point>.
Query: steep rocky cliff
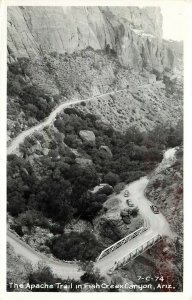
<point>133,33</point>
<point>59,53</point>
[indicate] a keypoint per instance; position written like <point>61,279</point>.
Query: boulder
<point>102,188</point>
<point>105,125</point>
<point>106,149</point>
<point>87,136</point>
<point>75,152</point>
<point>83,162</point>
<point>45,151</point>
<point>126,220</point>
<point>37,147</point>
<point>124,212</point>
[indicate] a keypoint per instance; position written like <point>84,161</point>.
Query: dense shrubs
<point>111,178</point>
<point>43,277</point>
<point>91,278</point>
<point>132,152</point>
<point>89,205</point>
<point>60,195</point>
<point>32,218</point>
<point>32,99</point>
<point>134,212</point>
<point>81,246</point>
<point>60,192</point>
<point>72,141</point>
<point>17,228</point>
<point>119,187</point>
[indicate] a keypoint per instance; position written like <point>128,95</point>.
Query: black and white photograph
<point>95,149</point>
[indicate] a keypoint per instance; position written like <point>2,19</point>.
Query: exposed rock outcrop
<point>87,136</point>
<point>106,149</point>
<point>111,225</point>
<point>102,188</point>
<point>83,162</point>
<point>78,52</point>
<point>133,33</point>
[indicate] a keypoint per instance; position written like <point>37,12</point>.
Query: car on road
<point>126,193</point>
<point>155,209</point>
<point>130,203</point>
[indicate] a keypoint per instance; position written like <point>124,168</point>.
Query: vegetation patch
<point>81,246</point>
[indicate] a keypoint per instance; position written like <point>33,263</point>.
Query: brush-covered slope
<point>60,53</point>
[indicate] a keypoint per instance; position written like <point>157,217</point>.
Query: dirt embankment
<point>165,189</point>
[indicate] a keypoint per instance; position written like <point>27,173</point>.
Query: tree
<point>60,125</point>
<point>88,206</point>
<point>17,228</point>
<point>83,246</point>
<point>134,212</point>
<point>55,200</point>
<point>107,190</point>
<point>107,49</point>
<point>43,275</point>
<point>111,178</point>
<point>82,180</point>
<point>16,204</point>
<point>32,218</point>
<point>100,198</point>
<point>72,141</point>
<point>89,277</point>
<point>119,187</point>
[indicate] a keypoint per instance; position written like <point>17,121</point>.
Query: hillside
<point>71,161</point>
<point>123,50</point>
<point>18,269</point>
<point>165,189</point>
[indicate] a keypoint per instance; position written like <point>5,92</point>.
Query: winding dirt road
<point>61,269</point>
<point>157,223</point>
<point>21,137</point>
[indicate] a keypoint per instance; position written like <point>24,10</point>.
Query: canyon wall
<point>134,34</point>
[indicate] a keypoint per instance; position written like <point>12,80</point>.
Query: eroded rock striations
<point>57,54</point>
<point>135,34</point>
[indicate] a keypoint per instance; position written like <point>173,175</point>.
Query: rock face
<point>65,60</point>
<point>87,136</point>
<point>165,189</point>
<point>133,33</point>
<point>106,149</point>
<point>111,225</point>
<point>102,188</point>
